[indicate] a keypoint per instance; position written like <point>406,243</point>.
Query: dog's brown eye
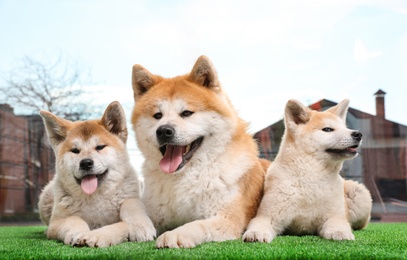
<point>75,150</point>
<point>327,129</point>
<point>158,115</point>
<point>186,113</point>
<point>100,147</point>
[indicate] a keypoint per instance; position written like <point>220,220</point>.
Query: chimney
<point>380,110</point>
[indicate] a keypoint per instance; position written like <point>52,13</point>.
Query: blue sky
<point>265,52</point>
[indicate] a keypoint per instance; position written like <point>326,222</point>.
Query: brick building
<point>26,161</point>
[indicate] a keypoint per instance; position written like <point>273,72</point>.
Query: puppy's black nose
<point>86,164</point>
<point>165,133</point>
<point>357,135</point>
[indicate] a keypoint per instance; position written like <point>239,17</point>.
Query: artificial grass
<point>377,241</point>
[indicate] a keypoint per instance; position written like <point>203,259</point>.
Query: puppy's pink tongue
<point>89,184</point>
<point>172,158</point>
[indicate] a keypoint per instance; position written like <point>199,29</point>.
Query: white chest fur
<point>173,200</point>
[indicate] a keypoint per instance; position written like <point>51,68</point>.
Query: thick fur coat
<point>94,198</point>
<point>304,192</point>
<point>203,178</point>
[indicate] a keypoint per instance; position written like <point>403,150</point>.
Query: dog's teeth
<point>187,149</point>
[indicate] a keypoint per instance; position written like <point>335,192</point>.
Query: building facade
<point>26,161</point>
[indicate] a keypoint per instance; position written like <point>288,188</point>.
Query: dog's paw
<point>338,235</point>
<point>90,239</point>
<point>69,238</point>
<point>257,236</point>
<point>172,239</point>
<point>337,229</point>
<point>93,239</point>
<point>142,233</point>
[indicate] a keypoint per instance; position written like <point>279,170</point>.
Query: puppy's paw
<point>142,232</point>
<point>69,238</point>
<point>257,236</point>
<point>173,239</point>
<point>93,239</point>
<point>89,239</point>
<point>338,235</point>
<point>337,229</point>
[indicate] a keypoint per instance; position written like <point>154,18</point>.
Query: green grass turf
<point>377,241</point>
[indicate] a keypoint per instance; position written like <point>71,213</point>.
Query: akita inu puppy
<point>93,199</point>
<point>203,177</point>
<point>304,193</point>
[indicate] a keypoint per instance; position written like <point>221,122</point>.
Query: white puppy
<point>304,193</point>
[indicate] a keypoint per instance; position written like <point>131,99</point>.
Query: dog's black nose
<point>165,133</point>
<point>86,164</point>
<point>357,135</point>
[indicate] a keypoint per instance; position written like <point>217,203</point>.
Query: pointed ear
<point>142,80</point>
<point>204,74</point>
<point>341,109</point>
<point>56,127</point>
<point>114,120</point>
<point>295,114</point>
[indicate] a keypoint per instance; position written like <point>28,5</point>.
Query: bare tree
<point>57,87</point>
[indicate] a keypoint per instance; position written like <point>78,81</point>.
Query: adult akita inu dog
<point>93,199</point>
<point>303,192</point>
<point>203,178</point>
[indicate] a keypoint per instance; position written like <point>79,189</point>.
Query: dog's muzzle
<point>357,136</point>
<point>89,181</point>
<point>165,134</point>
<point>175,154</point>
<point>352,149</point>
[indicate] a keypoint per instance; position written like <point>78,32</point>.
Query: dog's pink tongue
<point>89,184</point>
<point>172,159</point>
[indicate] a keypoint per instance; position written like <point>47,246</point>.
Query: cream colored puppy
<point>93,199</point>
<point>304,193</point>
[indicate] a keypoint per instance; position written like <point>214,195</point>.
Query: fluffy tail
<point>359,202</point>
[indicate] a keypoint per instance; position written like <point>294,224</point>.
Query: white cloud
<point>362,54</point>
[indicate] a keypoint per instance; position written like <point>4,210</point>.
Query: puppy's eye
<point>186,113</point>
<point>100,147</point>
<point>75,150</point>
<point>158,115</point>
<point>327,129</point>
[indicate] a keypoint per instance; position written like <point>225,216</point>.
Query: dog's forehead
<point>91,142</point>
<point>325,119</point>
<point>175,105</point>
<point>87,129</point>
<point>87,132</point>
<point>169,90</point>
<point>180,94</point>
